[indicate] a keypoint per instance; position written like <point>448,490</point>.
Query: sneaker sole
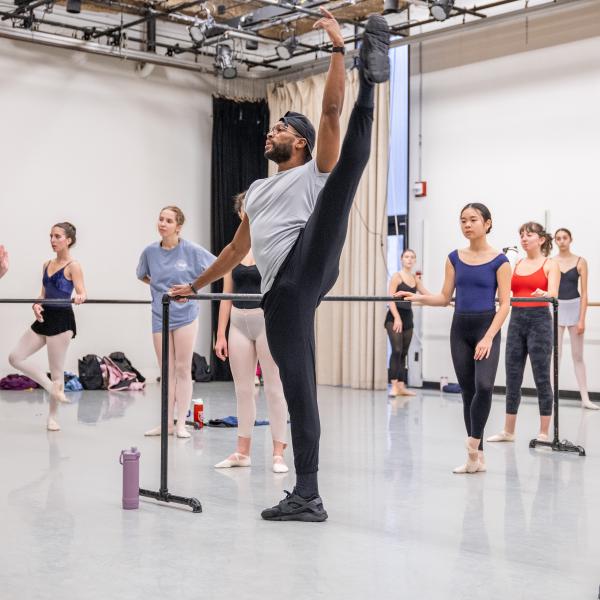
<point>380,63</point>
<point>306,518</point>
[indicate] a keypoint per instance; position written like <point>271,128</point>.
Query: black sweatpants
<point>400,342</point>
<point>475,377</point>
<point>307,274</point>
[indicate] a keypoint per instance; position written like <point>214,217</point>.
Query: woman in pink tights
<point>248,342</point>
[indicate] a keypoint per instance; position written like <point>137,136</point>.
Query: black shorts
<point>56,320</point>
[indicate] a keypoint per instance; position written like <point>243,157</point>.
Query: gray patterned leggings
<point>529,333</point>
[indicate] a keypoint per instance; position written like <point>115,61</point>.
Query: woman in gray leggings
<point>530,329</point>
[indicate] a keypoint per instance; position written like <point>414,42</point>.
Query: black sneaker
<point>374,58</point>
<point>296,508</point>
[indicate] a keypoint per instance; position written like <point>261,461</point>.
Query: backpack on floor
<point>117,380</point>
<point>200,369</point>
<point>125,365</point>
<point>90,373</point>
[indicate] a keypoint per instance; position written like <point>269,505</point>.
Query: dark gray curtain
<point>238,139</point>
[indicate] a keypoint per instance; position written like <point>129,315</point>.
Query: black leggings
<point>475,377</point>
<point>307,274</point>
<point>400,343</point>
<point>529,334</point>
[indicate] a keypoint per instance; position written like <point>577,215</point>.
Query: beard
<point>279,153</point>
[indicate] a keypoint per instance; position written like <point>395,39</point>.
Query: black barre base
<point>558,446</point>
<point>164,496</point>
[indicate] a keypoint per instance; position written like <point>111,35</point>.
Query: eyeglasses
<point>280,127</point>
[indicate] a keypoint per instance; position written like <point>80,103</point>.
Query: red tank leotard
<point>522,286</point>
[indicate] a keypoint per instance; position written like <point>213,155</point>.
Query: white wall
<point>85,139</point>
<point>519,133</point>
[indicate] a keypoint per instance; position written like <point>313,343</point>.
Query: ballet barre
<point>163,494</point>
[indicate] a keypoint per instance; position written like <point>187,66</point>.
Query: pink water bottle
<point>130,459</point>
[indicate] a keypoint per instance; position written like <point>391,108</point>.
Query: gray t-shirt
<point>166,268</point>
<point>278,208</point>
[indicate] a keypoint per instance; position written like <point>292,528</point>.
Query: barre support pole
<point>163,494</point>
<point>556,444</point>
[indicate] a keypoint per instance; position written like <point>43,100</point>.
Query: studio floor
<point>401,525</point>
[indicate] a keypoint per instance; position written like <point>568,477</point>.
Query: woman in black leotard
<point>572,307</point>
<point>247,342</point>
<point>399,324</point>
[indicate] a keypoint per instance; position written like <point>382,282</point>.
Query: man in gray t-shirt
<point>278,208</point>
<point>296,222</point>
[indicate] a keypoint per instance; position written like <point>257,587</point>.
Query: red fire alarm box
<point>420,189</point>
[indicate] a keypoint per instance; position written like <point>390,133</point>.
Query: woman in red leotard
<point>530,329</point>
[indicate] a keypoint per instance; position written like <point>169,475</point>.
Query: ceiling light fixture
<point>224,62</point>
<point>74,6</point>
<point>285,50</point>
<point>246,21</point>
<point>390,6</point>
<point>199,29</point>
<point>440,9</point>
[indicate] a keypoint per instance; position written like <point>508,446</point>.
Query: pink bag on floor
<point>117,380</point>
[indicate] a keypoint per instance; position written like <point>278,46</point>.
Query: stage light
<point>74,6</point>
<point>286,49</point>
<point>440,9</point>
<point>224,62</point>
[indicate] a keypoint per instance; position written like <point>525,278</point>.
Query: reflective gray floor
<point>401,524</point>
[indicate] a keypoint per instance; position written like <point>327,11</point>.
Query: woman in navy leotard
<point>476,273</point>
<point>54,326</point>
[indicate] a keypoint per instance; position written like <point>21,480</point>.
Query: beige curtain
<point>351,342</point>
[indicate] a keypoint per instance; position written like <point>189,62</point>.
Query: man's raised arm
<point>328,138</point>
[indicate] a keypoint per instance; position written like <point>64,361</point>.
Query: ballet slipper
<point>589,404</point>
<point>405,392</point>
<point>503,436</point>
<point>279,465</point>
<point>235,460</point>
<point>52,425</point>
<point>482,468</point>
<point>57,392</point>
<point>156,431</point>
<point>182,432</point>
<point>472,465</point>
<point>402,391</point>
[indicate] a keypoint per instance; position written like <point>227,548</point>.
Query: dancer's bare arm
<point>221,349</point>
<point>503,277</point>
<point>76,273</point>
<point>230,257</point>
<point>582,268</point>
<point>3,261</point>
<point>443,298</point>
<point>328,138</point>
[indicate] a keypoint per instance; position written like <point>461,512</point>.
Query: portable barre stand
<point>163,494</point>
<point>556,444</point>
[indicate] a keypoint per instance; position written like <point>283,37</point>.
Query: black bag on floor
<point>200,369</point>
<point>90,373</point>
<point>125,365</point>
